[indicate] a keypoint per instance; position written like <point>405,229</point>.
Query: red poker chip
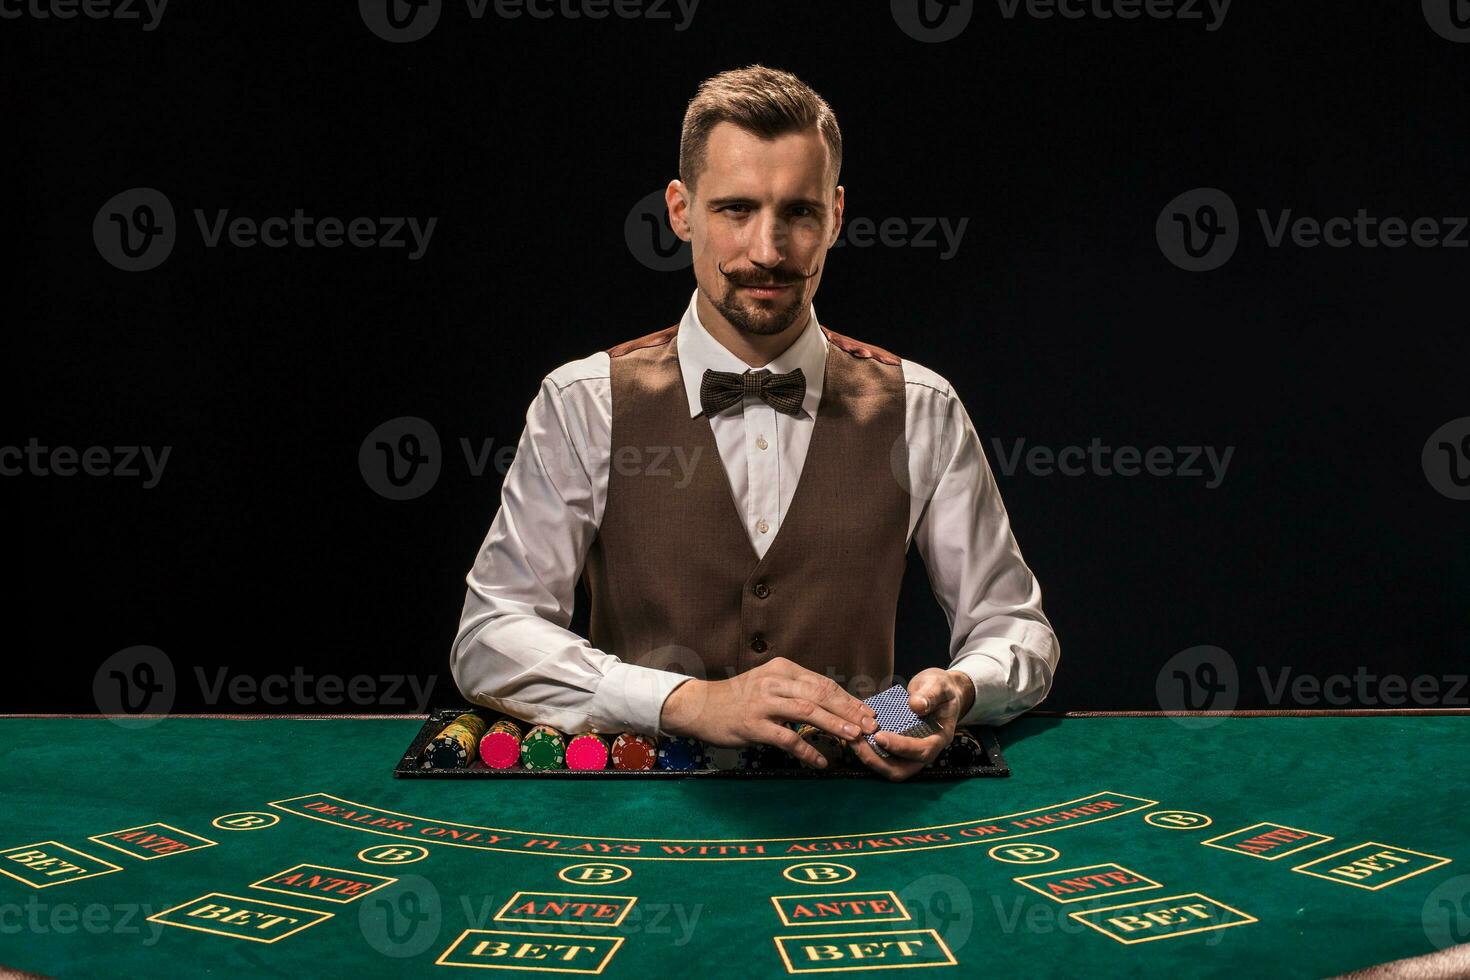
<point>633,752</point>
<point>587,751</point>
<point>500,750</point>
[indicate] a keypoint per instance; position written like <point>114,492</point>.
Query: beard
<point>761,317</point>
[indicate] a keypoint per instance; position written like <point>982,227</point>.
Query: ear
<point>837,208</point>
<point>678,199</point>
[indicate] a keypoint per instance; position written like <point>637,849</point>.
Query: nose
<point>769,241</point>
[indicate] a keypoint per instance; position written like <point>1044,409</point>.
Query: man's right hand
<point>754,707</point>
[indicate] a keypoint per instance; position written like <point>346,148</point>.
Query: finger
<point>892,768</point>
<point>923,750</point>
<point>928,693</point>
<point>804,711</point>
<point>826,694</point>
<point>784,738</point>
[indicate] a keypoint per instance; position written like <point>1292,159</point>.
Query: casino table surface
<point>1205,846</point>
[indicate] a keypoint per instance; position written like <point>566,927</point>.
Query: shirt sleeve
<point>999,635</point>
<point>513,652</point>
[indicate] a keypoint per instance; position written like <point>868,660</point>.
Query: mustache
<point>765,279</point>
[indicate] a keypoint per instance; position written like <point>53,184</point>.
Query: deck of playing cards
<point>892,708</point>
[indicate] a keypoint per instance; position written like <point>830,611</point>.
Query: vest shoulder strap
<point>859,349</point>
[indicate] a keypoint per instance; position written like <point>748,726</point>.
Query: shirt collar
<point>700,351</point>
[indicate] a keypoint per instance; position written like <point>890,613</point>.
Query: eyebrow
<point>716,202</point>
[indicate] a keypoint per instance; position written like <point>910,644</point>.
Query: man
<point>741,490</point>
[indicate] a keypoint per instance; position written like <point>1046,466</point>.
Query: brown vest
<point>672,575</point>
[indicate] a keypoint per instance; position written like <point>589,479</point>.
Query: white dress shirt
<point>513,651</point>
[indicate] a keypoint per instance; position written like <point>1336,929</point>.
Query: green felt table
<point>1148,846</point>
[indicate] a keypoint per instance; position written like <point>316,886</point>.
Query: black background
<point>264,550</point>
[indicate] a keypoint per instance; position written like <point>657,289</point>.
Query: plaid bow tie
<point>719,390</point>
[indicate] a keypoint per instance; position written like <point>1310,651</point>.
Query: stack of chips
<point>633,752</point>
<point>454,746</point>
<point>501,746</point>
<point>824,742</point>
<point>680,754</point>
<point>543,749</point>
<point>963,752</point>
<point>587,751</point>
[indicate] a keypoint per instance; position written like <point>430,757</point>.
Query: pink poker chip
<point>500,750</point>
<point>587,751</point>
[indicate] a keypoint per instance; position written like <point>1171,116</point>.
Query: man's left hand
<point>942,697</point>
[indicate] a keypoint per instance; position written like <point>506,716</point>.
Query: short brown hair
<point>764,101</point>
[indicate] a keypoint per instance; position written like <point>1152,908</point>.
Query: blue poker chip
<point>681,754</point>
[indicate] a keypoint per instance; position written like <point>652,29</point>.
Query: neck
<point>755,350</point>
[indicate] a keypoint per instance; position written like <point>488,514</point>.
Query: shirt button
<point>762,526</point>
<point>758,643</point>
<point>762,589</point>
<point>761,443</point>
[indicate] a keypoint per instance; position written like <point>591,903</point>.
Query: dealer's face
<point>759,226</point>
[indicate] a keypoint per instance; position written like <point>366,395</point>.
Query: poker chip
<point>824,742</point>
<point>963,752</point>
<point>543,748</point>
<point>723,757</point>
<point>501,746</point>
<point>454,746</point>
<point>681,754</point>
<point>762,758</point>
<point>633,752</point>
<point>587,751</point>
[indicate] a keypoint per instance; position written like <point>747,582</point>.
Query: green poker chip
<point>543,749</point>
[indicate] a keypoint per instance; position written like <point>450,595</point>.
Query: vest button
<point>762,589</point>
<point>758,643</point>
